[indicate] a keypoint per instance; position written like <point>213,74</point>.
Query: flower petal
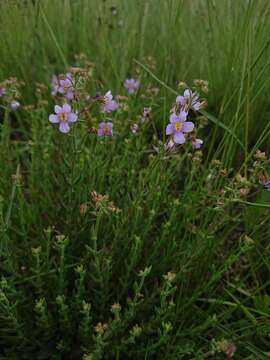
<point>53,119</point>
<point>173,118</point>
<point>182,116</point>
<point>180,99</point>
<point>57,109</point>
<point>64,127</point>
<point>72,117</point>
<point>70,95</point>
<point>108,95</point>
<point>169,129</point>
<point>188,126</point>
<point>66,108</point>
<point>179,138</point>
<point>188,93</point>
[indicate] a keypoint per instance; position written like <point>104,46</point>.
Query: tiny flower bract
<point>178,127</point>
<point>105,129</point>
<point>63,116</point>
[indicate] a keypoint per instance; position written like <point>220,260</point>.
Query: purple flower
<point>197,144</point>
<point>131,85</point>
<point>189,100</point>
<point>178,127</point>
<point>109,104</point>
<point>14,105</point>
<point>2,91</point>
<point>55,85</point>
<point>66,87</point>
<point>267,185</point>
<point>63,116</point>
<point>105,129</point>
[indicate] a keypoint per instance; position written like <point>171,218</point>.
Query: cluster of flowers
<point>179,127</point>
<point>64,115</point>
<point>9,93</point>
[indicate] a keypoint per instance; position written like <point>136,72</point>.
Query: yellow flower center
<point>63,116</point>
<point>178,125</point>
<point>66,88</point>
<point>106,130</point>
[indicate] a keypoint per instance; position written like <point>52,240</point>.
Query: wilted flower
<point>267,185</point>
<point>170,145</point>
<point>14,105</point>
<point>228,347</point>
<point>197,143</point>
<point>105,129</point>
<point>66,87</point>
<point>131,85</point>
<point>134,128</point>
<point>202,84</point>
<point>146,114</point>
<point>189,100</point>
<point>178,127</point>
<point>109,104</point>
<point>64,116</point>
<point>55,85</point>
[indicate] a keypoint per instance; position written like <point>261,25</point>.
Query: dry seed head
<point>115,308</point>
<point>170,276</point>
<point>100,328</point>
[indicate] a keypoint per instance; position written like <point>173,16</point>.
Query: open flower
<point>108,104</point>
<point>131,85</point>
<point>197,144</point>
<point>178,127</point>
<point>66,87</point>
<point>105,129</point>
<point>189,100</point>
<point>63,116</point>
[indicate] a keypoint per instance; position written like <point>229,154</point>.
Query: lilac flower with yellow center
<point>178,127</point>
<point>105,129</point>
<point>189,100</point>
<point>63,116</point>
<point>131,85</point>
<point>197,144</point>
<point>108,104</point>
<point>66,87</point>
